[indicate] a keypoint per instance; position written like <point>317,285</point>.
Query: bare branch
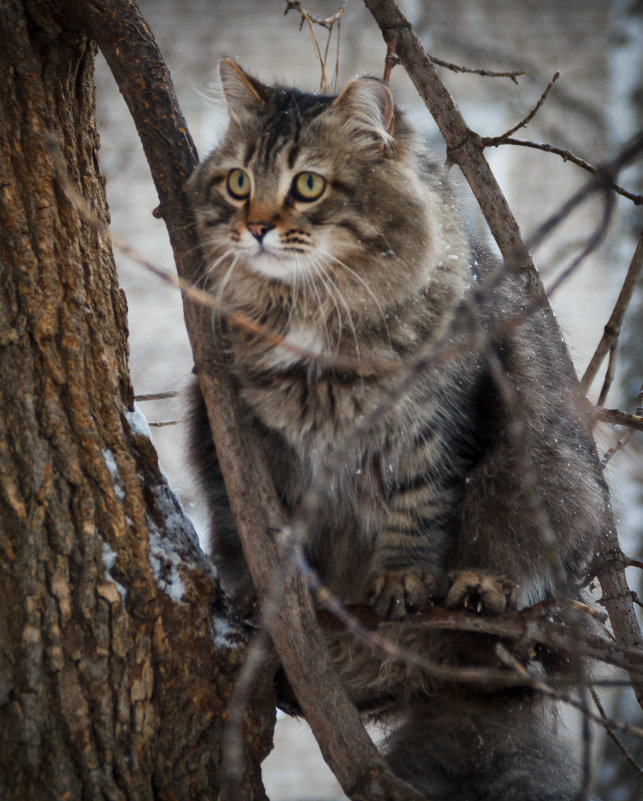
<point>463,145</point>
<point>513,74</point>
<point>325,22</point>
<point>465,149</point>
<point>536,625</point>
<point>616,417</point>
<point>613,326</point>
<point>494,141</point>
<point>566,155</point>
<point>619,418</point>
<point>609,375</point>
<point>611,733</point>
<point>546,689</point>
<point>155,396</point>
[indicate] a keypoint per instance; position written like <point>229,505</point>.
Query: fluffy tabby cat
<point>469,480</point>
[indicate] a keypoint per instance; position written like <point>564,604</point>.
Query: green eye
<point>239,184</point>
<point>308,186</point>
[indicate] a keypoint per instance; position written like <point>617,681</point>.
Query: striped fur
<point>442,488</point>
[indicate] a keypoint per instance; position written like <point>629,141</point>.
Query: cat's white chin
<point>282,268</point>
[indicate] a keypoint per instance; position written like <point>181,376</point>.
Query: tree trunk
<point>117,655</point>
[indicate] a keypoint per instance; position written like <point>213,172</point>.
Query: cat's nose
<point>259,229</point>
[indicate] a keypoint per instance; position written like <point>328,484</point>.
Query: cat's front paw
<point>395,594</point>
<point>482,593</point>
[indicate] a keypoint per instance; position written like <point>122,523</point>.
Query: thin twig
<point>567,155</point>
<point>592,244</point>
<point>613,327</point>
<point>391,58</point>
<point>619,418</point>
<point>494,141</point>
<point>513,75</point>
<point>623,441</point>
<point>609,374</point>
<point>611,733</point>
<point>153,396</point>
<point>324,22</point>
<point>546,689</point>
<point>621,444</point>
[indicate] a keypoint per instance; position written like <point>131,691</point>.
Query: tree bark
<point>118,656</point>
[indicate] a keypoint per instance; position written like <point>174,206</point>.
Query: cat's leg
<point>480,592</point>
<point>396,594</point>
<point>409,563</point>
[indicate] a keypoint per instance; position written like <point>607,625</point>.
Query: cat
<point>463,472</point>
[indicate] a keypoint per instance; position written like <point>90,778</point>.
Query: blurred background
<point>593,110</point>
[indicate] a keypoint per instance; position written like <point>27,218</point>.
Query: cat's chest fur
<point>328,391</point>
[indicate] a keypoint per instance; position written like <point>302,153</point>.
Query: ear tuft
<point>242,92</point>
<point>369,107</point>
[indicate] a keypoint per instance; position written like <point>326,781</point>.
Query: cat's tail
<point>483,747</point>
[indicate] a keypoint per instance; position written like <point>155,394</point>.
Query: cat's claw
<point>481,593</point>
<point>394,595</point>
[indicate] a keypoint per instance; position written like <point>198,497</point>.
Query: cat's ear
<point>368,107</point>
<point>242,92</point>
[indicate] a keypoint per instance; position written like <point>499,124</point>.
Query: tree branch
<point>619,418</point>
<point>613,325</point>
<point>494,141</point>
<point>133,56</point>
<point>566,155</point>
<point>537,625</point>
<point>464,147</point>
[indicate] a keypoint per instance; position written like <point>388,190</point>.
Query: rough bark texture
<point>110,682</point>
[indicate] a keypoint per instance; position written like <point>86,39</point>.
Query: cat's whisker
<point>213,266</point>
<point>293,301</point>
<point>331,291</point>
<point>226,278</point>
<point>345,304</point>
<point>342,300</point>
<point>334,260</point>
<point>305,267</point>
<point>221,290</point>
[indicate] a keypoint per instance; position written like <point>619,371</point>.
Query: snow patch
<point>110,462</point>
<point>169,551</point>
<point>227,635</point>
<point>109,560</point>
<point>138,422</point>
<point>165,562</point>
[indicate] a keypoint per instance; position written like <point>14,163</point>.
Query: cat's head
<point>306,186</point>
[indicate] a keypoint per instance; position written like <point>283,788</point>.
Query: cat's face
<point>309,188</point>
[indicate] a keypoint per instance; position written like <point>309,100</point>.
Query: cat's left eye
<point>308,186</point>
<point>239,184</point>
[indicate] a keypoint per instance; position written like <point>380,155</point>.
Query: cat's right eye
<point>238,184</point>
